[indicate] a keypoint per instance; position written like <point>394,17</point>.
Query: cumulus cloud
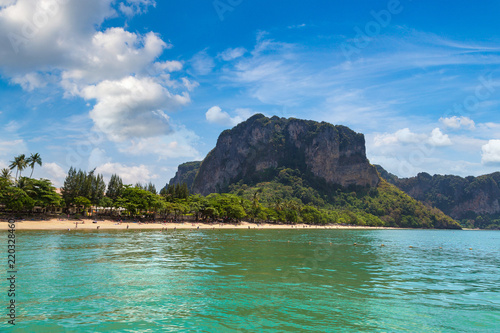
<point>491,152</point>
<point>439,139</point>
<point>458,122</point>
<point>129,174</point>
<point>231,54</point>
<point>401,136</point>
<point>45,34</point>
<point>405,136</point>
<point>132,107</point>
<point>215,115</point>
<point>61,42</point>
<point>115,53</point>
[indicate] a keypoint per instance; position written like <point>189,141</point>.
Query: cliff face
<point>186,173</point>
<point>456,196</point>
<point>333,153</point>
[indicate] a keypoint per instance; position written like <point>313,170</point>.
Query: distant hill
<point>300,162</point>
<point>472,200</point>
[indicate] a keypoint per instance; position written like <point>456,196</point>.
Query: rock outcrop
<point>335,154</point>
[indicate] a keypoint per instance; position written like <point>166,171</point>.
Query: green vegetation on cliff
<point>473,201</point>
<point>291,198</point>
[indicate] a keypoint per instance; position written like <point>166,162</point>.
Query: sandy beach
<point>57,224</point>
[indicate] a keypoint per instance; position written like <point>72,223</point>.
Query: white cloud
<point>439,139</point>
<point>169,66</point>
<point>132,107</point>
<point>458,122</point>
<point>115,53</point>
<point>202,63</point>
<point>231,54</point>
<point>5,3</point>
<point>55,173</point>
<point>37,35</point>
<point>134,7</point>
<point>190,85</point>
<point>215,115</point>
<point>129,174</point>
<point>491,152</point>
<point>61,42</point>
<point>405,136</point>
<point>30,81</point>
<point>10,148</point>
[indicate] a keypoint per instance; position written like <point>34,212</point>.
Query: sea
<point>296,280</point>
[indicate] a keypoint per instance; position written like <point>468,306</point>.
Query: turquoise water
<point>257,280</point>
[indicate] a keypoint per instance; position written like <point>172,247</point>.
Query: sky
<point>136,87</point>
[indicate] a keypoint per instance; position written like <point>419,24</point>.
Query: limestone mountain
<point>256,147</point>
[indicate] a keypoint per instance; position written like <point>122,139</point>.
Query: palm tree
<point>19,163</point>
<point>32,160</point>
<point>5,174</point>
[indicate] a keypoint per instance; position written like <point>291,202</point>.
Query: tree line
<point>285,200</point>
<point>83,191</point>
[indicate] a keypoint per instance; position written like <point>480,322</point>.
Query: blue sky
<point>136,87</point>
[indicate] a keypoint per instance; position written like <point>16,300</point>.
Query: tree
<point>197,204</point>
<point>106,202</point>
<point>82,202</point>
<point>32,160</point>
<point>82,184</point>
<point>42,192</point>
<point>70,188</point>
<point>19,163</point>
<point>151,188</point>
<point>6,174</point>
<point>97,188</point>
<point>163,192</point>
<point>136,200</point>
<point>256,207</point>
<point>16,199</point>
<point>115,187</point>
<point>183,191</point>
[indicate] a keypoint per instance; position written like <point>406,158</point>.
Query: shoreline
<point>57,224</point>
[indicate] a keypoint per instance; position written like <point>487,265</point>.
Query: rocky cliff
<point>461,198</point>
<point>186,173</point>
<point>334,154</point>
